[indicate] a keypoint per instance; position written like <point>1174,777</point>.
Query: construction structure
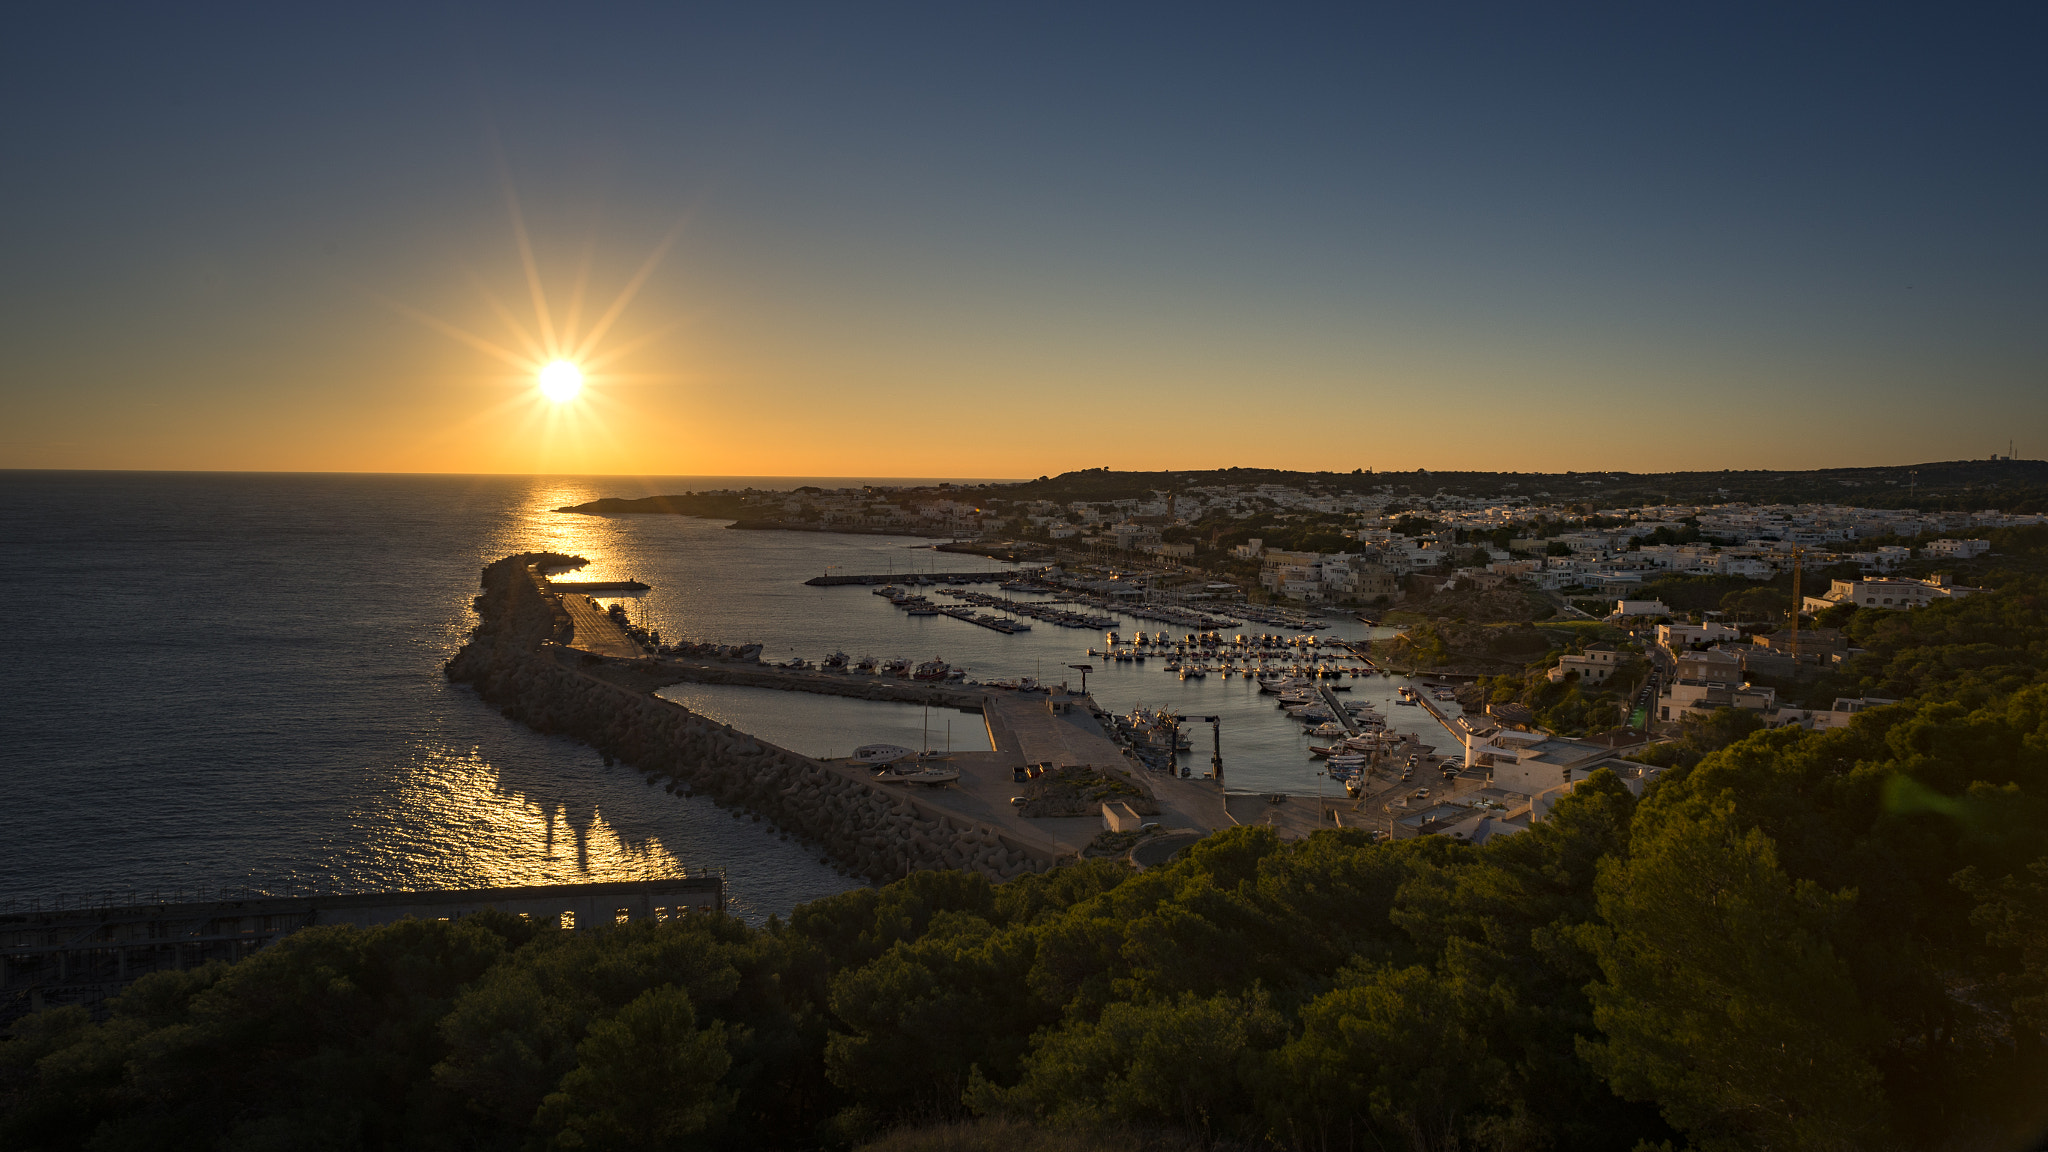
<point>83,951</point>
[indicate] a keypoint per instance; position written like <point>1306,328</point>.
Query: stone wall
<point>515,661</point>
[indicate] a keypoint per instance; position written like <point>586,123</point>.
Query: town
<point>1564,609</point>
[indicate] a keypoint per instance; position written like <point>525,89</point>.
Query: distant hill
<point>1950,485</point>
<point>718,505</point>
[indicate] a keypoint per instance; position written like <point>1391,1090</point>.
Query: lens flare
<point>560,381</point>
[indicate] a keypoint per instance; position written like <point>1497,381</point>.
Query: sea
<point>233,681</point>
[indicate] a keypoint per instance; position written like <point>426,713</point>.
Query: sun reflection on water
<point>457,812</point>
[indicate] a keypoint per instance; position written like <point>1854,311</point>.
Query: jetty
<point>540,658</point>
<point>829,581</point>
<point>82,950</point>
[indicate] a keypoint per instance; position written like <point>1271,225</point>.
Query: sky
<point>1013,240</point>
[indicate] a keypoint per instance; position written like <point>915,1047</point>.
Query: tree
<point>1723,998</point>
<point>645,1079</point>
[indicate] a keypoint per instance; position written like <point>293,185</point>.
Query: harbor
<point>1292,729</point>
<point>1035,627</point>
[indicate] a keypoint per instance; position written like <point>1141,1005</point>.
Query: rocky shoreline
<point>516,660</point>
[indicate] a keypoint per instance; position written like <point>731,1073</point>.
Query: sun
<point>560,381</point>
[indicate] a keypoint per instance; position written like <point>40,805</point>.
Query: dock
<point>1459,730</point>
<point>596,632</point>
<point>1337,706</point>
<point>916,577</point>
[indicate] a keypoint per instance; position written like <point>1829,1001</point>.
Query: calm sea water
<point>235,680</point>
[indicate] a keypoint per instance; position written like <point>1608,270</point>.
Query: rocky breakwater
<point>515,660</point>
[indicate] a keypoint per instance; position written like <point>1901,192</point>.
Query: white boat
<point>916,775</point>
<point>881,753</point>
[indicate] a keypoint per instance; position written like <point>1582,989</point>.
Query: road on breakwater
<point>593,630</point>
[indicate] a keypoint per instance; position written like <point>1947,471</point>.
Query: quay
<point>588,586</point>
<point>596,631</point>
<point>918,577</point>
<point>82,954</point>
<point>1460,729</point>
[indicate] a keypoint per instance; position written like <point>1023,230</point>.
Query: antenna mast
<point>1798,601</point>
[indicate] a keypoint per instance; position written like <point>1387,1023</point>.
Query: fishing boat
<point>933,669</point>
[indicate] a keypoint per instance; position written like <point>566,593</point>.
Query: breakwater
<point>516,659</point>
<point>913,578</point>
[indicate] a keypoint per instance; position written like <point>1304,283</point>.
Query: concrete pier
<point>914,577</point>
<point>593,630</point>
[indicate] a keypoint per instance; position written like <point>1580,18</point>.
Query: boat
<point>836,662</point>
<point>918,775</point>
<point>933,669</point>
<point>866,664</point>
<point>881,753</point>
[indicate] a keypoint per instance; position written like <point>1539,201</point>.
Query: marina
<point>866,633</point>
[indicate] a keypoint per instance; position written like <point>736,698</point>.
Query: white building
<point>1959,549</point>
<point>1677,636</point>
<point>1594,666</point>
<point>1894,594</point>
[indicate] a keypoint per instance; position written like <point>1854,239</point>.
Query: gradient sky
<point>977,240</point>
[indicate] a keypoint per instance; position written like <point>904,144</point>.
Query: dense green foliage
<point>1793,940</point>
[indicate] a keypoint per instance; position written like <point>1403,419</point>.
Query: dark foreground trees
<point>1806,941</point>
